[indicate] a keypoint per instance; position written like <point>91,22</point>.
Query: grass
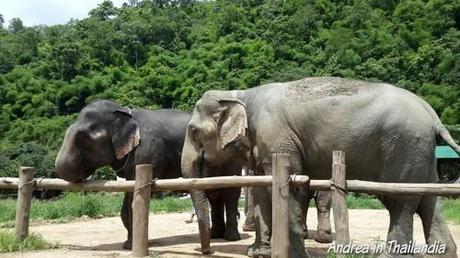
<point>363,201</point>
<point>93,205</point>
<point>96,205</point>
<point>170,204</point>
<point>451,210</point>
<point>9,243</point>
<point>71,205</point>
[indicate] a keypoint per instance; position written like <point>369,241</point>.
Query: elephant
<point>387,133</point>
<point>106,133</point>
<point>323,206</point>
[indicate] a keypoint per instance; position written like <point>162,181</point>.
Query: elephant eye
<point>193,131</point>
<point>219,114</point>
<point>82,135</point>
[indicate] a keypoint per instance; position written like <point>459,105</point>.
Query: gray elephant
<point>388,135</point>
<point>323,208</point>
<point>106,133</point>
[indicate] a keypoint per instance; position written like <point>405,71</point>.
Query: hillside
<point>161,53</point>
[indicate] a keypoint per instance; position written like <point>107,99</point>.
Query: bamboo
<point>280,213</point>
<point>141,201</point>
<point>339,193</point>
<point>26,186</point>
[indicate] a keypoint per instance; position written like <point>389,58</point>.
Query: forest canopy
<point>165,54</point>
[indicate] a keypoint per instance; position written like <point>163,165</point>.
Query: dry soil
<point>170,236</point>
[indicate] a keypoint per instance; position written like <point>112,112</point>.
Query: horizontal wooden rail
<point>403,188</point>
<point>158,185</point>
<point>237,181</point>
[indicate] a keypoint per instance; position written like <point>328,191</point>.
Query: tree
<point>166,53</point>
<point>103,11</point>
<point>15,25</point>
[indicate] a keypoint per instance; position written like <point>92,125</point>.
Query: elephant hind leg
<point>127,218</point>
<point>400,231</point>
<point>434,227</point>
<point>323,202</point>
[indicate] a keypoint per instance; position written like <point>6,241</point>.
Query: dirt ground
<point>171,237</point>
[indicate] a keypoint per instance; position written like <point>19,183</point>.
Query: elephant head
<point>104,133</point>
<point>216,134</point>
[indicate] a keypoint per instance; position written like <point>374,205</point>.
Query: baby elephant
<point>106,133</point>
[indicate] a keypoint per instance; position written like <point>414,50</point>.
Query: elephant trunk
<point>68,162</point>
<point>202,213</point>
<point>190,163</point>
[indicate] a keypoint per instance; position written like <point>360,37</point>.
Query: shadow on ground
<point>157,242</point>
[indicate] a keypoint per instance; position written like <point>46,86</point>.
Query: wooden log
<point>280,212</point>
<point>140,205</point>
<point>25,189</point>
<point>403,188</point>
<point>158,185</point>
<point>93,185</point>
<point>9,183</point>
<point>339,192</point>
<point>233,181</point>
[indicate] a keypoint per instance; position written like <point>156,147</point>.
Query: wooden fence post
<point>339,192</point>
<point>140,205</point>
<point>280,211</point>
<point>25,189</point>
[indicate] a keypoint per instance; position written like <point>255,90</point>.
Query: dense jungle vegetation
<point>166,53</point>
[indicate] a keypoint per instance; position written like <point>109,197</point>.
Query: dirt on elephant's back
<point>170,236</point>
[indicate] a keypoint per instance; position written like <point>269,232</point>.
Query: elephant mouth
<point>76,177</point>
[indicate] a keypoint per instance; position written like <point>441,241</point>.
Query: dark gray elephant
<point>387,133</point>
<point>106,133</point>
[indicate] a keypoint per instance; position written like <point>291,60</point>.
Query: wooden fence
<point>143,185</point>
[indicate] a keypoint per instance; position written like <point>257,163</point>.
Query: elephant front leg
<point>323,206</point>
<point>231,210</point>
<point>263,221</point>
<point>217,214</point>
<point>127,219</point>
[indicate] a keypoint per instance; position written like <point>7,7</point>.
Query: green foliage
<point>9,243</point>
<point>27,154</point>
<point>162,54</point>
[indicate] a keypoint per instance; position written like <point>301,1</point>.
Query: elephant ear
<point>126,134</point>
<point>234,121</point>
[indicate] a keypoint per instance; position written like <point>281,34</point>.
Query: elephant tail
<point>442,132</point>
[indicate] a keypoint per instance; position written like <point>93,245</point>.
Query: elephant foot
<point>298,253</point>
<point>259,250</point>
<point>249,226</point>
<point>128,244</point>
<point>217,233</point>
<point>232,235</point>
<point>323,236</point>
